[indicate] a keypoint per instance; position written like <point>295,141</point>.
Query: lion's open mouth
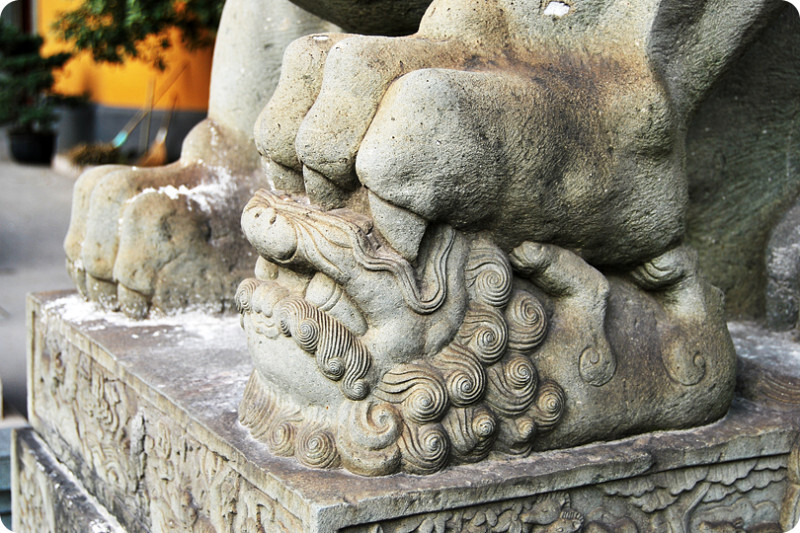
<point>397,226</point>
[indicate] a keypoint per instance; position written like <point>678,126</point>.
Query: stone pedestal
<point>140,419</point>
<point>5,475</point>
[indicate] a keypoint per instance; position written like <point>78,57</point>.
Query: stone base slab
<point>47,497</point>
<point>143,414</point>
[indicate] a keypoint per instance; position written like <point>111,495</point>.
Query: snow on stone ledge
<point>192,325</point>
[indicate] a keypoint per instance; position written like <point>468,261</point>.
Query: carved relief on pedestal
<point>96,414</point>
<point>790,508</point>
<point>681,501</point>
<point>126,450</point>
<point>729,497</point>
<point>193,489</point>
<point>33,507</point>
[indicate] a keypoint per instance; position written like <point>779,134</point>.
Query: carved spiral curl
<point>484,424</point>
<point>471,431</point>
<point>316,447</point>
<point>244,295</point>
<point>340,355</point>
<point>418,389</point>
<point>333,368</point>
<point>370,424</point>
<point>367,437</point>
<point>425,404</point>
<point>356,389</point>
<point>306,334</point>
<point>512,386</point>
<point>464,375</point>
<point>549,405</point>
<point>488,274</point>
<point>280,438</point>
<point>527,321</point>
<point>515,435</point>
<point>520,373</point>
<point>267,420</point>
<point>464,388</point>
<point>425,449</point>
<point>485,332</point>
<point>526,427</point>
<point>256,405</point>
<point>284,321</point>
<point>356,362</point>
<point>286,431</point>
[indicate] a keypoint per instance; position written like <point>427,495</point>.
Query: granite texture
<point>150,429</point>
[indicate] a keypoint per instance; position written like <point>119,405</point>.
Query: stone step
<point>49,498</point>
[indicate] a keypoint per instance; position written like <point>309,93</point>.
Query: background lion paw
<point>163,238</point>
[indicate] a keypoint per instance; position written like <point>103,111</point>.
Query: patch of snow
<point>204,195</point>
<point>556,9</point>
<point>191,325</point>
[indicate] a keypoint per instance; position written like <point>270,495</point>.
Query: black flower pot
<point>35,148</point>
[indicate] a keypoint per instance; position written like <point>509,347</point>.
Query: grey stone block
<point>48,498</point>
<point>5,459</point>
<point>150,430</point>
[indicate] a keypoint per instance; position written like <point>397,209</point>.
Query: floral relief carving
<point>135,453</point>
<point>730,497</point>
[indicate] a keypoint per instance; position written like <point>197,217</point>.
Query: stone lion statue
<point>468,232</point>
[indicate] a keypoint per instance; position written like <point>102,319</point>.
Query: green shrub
<point>27,102</point>
<point>115,30</point>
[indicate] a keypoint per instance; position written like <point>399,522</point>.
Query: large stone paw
<point>582,295</point>
<point>386,365</point>
<point>499,116</point>
<point>166,237</point>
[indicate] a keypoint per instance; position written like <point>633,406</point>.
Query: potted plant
<point>27,102</point>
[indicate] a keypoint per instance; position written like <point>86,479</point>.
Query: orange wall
<point>127,85</point>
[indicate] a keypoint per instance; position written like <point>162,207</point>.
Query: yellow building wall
<point>127,85</point>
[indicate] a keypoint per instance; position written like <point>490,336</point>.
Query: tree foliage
<point>26,81</point>
<point>115,30</point>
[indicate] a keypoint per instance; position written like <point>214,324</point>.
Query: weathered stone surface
<point>47,497</point>
<point>151,432</point>
<point>584,129</point>
<point>468,353</point>
<point>783,272</point>
<point>769,365</point>
<point>169,237</point>
<point>547,136</point>
<point>741,159</point>
<point>729,228</point>
<point>382,17</point>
